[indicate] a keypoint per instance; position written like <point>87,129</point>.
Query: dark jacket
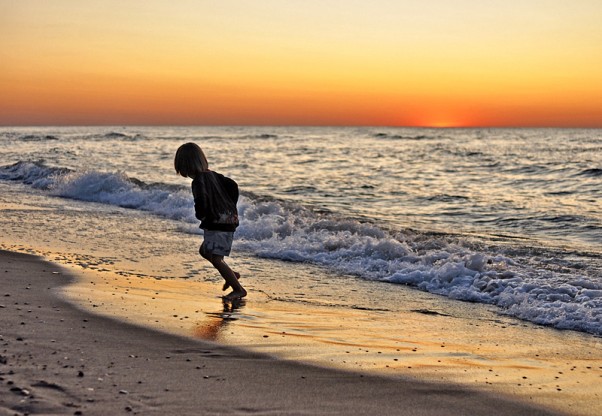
<point>215,198</point>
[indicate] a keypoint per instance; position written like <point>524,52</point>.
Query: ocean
<point>508,218</point>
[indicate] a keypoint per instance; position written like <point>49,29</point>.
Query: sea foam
<point>442,264</point>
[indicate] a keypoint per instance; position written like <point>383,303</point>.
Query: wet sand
<point>429,339</point>
<point>60,359</point>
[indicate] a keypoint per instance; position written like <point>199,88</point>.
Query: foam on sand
<point>538,287</point>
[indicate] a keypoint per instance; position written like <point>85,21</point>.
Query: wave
<point>551,292</point>
<point>35,174</point>
<point>123,136</point>
<point>262,136</point>
<point>138,137</point>
<point>12,135</point>
<point>445,198</point>
<point>37,138</point>
<point>115,135</point>
<point>437,264</point>
<point>389,136</point>
<point>107,188</point>
<point>594,172</point>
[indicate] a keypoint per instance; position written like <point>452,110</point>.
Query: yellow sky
<point>301,62</point>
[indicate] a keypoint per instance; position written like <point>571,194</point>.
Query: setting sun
<point>443,124</point>
<point>387,207</point>
<point>328,62</point>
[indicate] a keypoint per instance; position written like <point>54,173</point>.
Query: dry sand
<point>57,359</point>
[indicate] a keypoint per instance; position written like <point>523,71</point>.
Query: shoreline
<point>57,358</point>
<point>430,338</point>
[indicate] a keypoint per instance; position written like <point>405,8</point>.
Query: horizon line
<point>568,127</point>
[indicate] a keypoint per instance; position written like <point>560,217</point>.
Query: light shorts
<point>217,242</point>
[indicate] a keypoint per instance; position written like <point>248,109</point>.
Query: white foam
<point>106,188</point>
<point>434,265</point>
<point>290,232</point>
<point>118,189</point>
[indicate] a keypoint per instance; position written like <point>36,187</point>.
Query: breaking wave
<point>551,292</point>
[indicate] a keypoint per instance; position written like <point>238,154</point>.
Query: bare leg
<point>226,285</point>
<point>229,276</point>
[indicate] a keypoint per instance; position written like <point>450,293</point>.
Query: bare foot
<point>235,295</point>
<point>226,285</point>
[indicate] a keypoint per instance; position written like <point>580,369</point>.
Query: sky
<point>436,63</point>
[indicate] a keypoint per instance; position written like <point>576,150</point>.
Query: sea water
<point>511,218</point>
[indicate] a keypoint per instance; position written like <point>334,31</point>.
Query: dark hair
<point>190,160</point>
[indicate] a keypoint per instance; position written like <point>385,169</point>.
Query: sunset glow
<point>328,62</point>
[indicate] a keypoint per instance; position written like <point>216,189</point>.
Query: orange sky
<point>301,62</point>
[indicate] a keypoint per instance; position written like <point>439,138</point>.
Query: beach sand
<point>423,337</point>
<point>57,358</point>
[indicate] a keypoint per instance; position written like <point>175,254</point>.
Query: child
<point>215,198</point>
